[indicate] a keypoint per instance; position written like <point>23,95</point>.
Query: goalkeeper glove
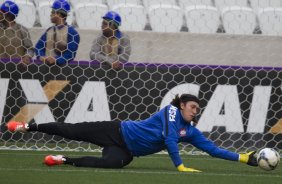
<point>182,168</point>
<point>248,158</point>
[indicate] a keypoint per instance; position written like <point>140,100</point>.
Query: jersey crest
<point>182,132</point>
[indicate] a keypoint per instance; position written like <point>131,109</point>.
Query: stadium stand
<point>165,18</point>
<point>157,15</point>
<point>88,15</point>
<point>238,20</point>
<point>202,19</point>
<point>270,20</point>
<point>133,16</point>
<point>38,11</point>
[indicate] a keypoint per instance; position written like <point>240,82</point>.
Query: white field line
<point>127,171</point>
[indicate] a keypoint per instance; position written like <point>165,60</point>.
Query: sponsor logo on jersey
<point>172,113</point>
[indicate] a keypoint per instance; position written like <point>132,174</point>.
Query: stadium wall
<point>187,48</point>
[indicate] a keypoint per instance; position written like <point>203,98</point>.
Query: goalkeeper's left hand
<point>182,168</point>
<point>248,158</point>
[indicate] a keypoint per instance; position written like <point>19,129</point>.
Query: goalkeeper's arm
<point>175,157</point>
<point>247,158</point>
<point>202,143</point>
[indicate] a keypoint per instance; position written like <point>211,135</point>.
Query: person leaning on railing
<point>59,44</point>
<point>112,47</point>
<point>15,39</point>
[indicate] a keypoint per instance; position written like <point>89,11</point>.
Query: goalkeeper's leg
<point>112,157</point>
<point>101,133</point>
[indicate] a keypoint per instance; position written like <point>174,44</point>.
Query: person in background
<point>112,47</point>
<point>123,140</point>
<point>15,42</point>
<point>59,44</point>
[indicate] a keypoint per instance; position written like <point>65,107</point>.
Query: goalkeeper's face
<point>189,110</point>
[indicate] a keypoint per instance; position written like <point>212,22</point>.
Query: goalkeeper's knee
<point>248,158</point>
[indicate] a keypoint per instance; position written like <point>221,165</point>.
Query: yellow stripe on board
<point>28,112</point>
<point>53,87</point>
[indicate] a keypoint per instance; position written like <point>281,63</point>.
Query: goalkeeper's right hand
<point>182,168</point>
<point>248,158</point>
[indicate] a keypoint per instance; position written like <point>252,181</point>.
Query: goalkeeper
<point>121,141</point>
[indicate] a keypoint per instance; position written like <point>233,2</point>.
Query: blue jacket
<point>154,134</point>
<point>73,40</point>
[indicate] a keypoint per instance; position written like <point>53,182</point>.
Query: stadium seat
<point>270,20</point>
<point>259,4</point>
<point>238,20</point>
<point>89,15</point>
<point>165,18</point>
<point>220,4</point>
<point>112,3</point>
<point>44,12</point>
<point>133,16</point>
<point>148,3</point>
<point>75,2</point>
<point>202,19</point>
<point>185,3</point>
<point>37,2</point>
<point>27,13</point>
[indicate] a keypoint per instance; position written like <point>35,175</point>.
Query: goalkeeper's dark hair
<point>184,98</point>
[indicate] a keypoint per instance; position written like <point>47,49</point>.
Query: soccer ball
<point>268,159</point>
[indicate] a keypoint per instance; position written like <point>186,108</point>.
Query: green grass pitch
<point>26,167</point>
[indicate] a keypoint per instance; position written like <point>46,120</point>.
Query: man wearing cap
<point>59,43</point>
<point>112,47</point>
<point>14,38</point>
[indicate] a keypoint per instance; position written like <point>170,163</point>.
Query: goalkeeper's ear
<point>248,158</point>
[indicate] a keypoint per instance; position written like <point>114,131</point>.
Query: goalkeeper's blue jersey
<point>164,130</point>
